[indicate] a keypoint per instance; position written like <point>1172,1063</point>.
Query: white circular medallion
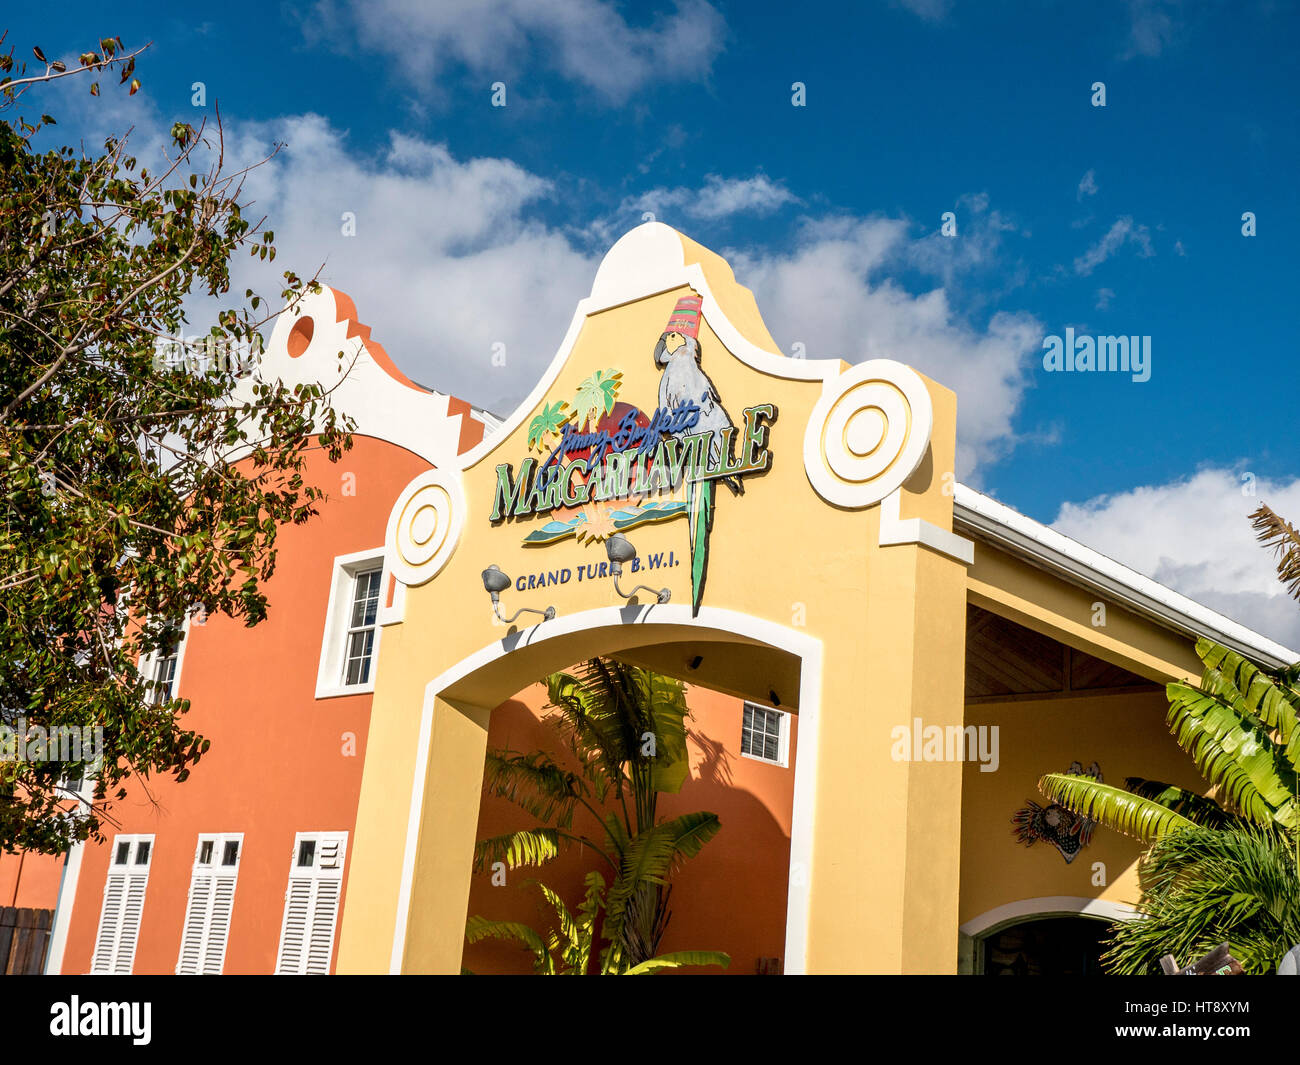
<point>868,432</point>
<point>424,526</point>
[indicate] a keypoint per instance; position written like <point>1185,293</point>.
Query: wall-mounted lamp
<point>619,549</point>
<point>496,582</point>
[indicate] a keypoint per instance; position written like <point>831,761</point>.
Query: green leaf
<point>1113,807</point>
<point>679,958</point>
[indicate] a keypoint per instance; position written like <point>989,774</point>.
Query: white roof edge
<point>1081,565</point>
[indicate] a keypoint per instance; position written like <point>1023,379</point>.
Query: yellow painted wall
<point>1125,734</point>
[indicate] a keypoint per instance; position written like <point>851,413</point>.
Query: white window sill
<point>333,691</point>
<point>766,761</point>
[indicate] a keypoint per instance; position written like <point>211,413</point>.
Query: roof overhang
<point>982,518</point>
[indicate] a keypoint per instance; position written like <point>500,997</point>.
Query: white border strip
<point>806,647</point>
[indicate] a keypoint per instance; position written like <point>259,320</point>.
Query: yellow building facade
<point>800,541</point>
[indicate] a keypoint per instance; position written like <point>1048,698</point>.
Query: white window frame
<point>149,663</point>
<point>205,933</point>
<point>782,758</point>
<point>318,892</point>
<point>115,953</point>
<point>334,643</point>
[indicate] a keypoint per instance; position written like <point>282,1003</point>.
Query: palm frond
<point>1239,760</point>
<point>677,958</point>
<point>1250,691</point>
<point>1204,887</point>
<point>1273,532</point>
<point>1113,807</point>
<point>1196,808</point>
<point>648,857</point>
<point>530,846</point>
<point>567,939</point>
<point>478,928</point>
<point>534,782</point>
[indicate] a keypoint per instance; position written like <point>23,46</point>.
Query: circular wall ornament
<point>868,433</point>
<point>424,526</point>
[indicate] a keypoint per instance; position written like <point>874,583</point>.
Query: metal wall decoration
<point>1065,830</point>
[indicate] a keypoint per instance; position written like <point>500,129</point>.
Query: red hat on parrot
<point>685,318</point>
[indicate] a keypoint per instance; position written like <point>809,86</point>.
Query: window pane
<point>205,852</point>
<point>306,852</point>
<point>123,851</point>
<point>360,646</point>
<point>231,853</point>
<point>142,852</point>
<point>365,602</point>
<point>760,734</point>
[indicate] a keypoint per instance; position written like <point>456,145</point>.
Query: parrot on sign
<point>684,381</point>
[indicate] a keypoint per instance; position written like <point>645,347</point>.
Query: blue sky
<point>479,225</point>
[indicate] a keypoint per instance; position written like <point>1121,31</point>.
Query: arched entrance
<point>729,652</point>
<point>1053,936</point>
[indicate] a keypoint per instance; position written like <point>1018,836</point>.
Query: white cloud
<point>718,198</point>
<point>588,41</point>
<point>449,260</point>
<point>977,244</point>
<point>444,264</point>
<point>832,293</point>
<point>1104,296</point>
<point>1193,535</point>
<point>1122,232</point>
<point>1087,185</point>
<point>1152,26</point>
<point>929,10</point>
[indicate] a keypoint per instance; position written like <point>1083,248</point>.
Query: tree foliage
<point>121,512</point>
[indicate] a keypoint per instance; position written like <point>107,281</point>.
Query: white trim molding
<point>333,650</point>
<point>896,530</point>
<point>1048,906</point>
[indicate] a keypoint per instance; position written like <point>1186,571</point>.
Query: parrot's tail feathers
<point>700,515</point>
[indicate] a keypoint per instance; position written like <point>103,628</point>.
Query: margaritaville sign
<point>605,466</point>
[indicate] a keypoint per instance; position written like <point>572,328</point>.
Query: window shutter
<point>207,916</point>
<point>123,907</point>
<point>311,905</point>
<point>195,916</point>
<point>223,901</point>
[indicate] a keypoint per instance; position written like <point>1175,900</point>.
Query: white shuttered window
<point>311,905</point>
<point>119,917</point>
<point>212,897</point>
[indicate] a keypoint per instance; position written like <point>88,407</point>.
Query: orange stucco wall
<point>280,761</point>
<point>730,897</point>
<point>30,880</point>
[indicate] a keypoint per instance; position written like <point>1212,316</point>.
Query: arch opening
<point>762,660</point>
